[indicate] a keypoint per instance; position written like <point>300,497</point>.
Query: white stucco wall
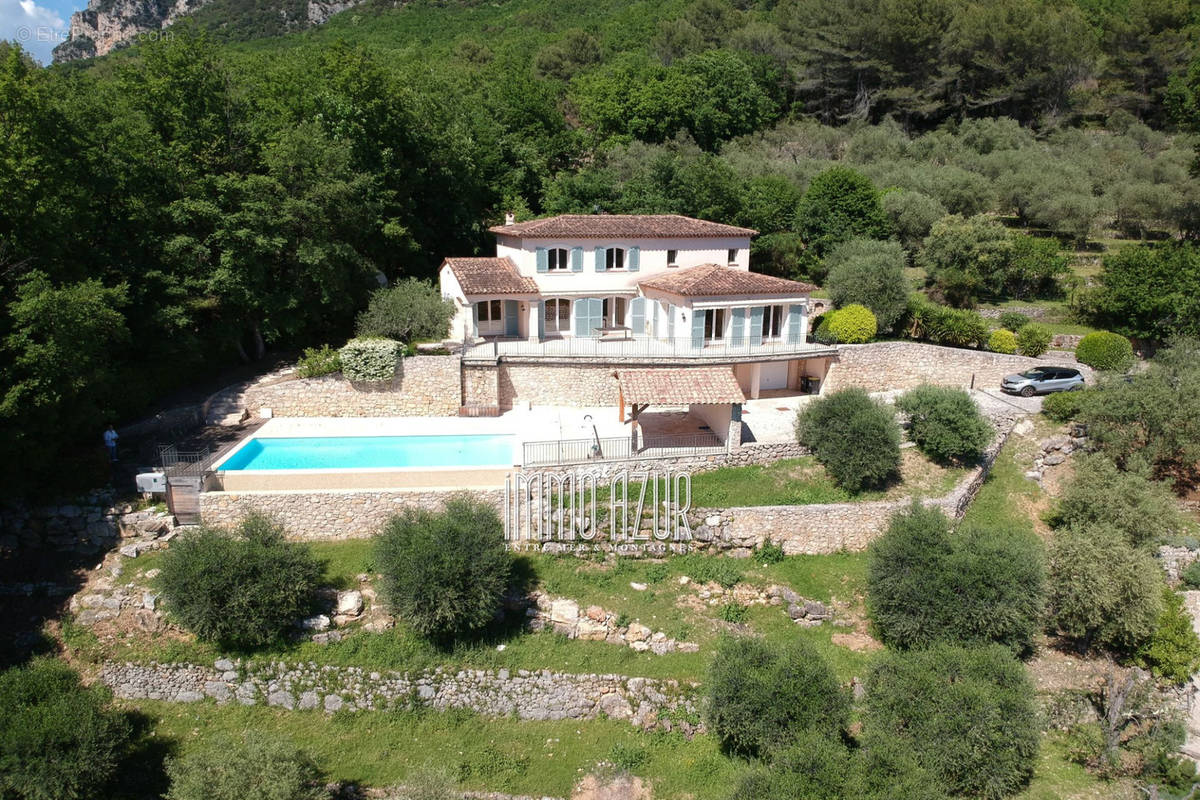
<point>652,261</point>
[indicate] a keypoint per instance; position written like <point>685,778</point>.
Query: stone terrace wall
<point>541,695</point>
<point>557,384</point>
<point>424,386</point>
<point>883,366</point>
<point>823,528</point>
<point>331,514</point>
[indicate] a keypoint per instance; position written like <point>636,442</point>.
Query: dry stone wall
<point>332,514</point>
<point>557,385</point>
<point>424,386</point>
<point>884,366</point>
<point>541,695</point>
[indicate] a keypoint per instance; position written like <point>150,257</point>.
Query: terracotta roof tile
<point>714,280</point>
<point>680,386</point>
<point>490,276</point>
<point>620,226</point>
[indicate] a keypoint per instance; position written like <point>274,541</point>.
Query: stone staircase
<point>227,408</point>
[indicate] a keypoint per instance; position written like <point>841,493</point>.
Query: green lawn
<point>536,758</point>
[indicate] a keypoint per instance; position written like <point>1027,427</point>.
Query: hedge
<point>371,359</point>
<point>1106,351</point>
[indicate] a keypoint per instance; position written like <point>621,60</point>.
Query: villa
<point>567,299</point>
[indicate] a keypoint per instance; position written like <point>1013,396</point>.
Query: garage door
<point>773,375</point>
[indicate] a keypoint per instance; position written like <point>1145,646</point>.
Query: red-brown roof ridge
<point>594,226</point>
<point>490,276</point>
<point>715,280</point>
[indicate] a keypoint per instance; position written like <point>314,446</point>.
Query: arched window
<point>557,315</point>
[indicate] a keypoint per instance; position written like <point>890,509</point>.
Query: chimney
<point>510,218</point>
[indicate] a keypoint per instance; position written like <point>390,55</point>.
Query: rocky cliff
<point>108,24</point>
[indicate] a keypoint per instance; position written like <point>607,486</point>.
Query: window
<point>490,310</point>
<point>772,322</point>
<point>557,315</point>
<point>733,255</point>
<point>714,324</point>
<point>614,312</point>
<point>672,257</point>
<point>614,258</point>
<point>558,259</point>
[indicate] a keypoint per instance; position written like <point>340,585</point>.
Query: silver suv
<point>1040,380</point>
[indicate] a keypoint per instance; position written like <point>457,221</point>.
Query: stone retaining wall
<point>332,514</point>
<point>885,366</point>
<point>823,528</point>
<point>541,695</point>
<point>424,386</point>
<point>90,524</point>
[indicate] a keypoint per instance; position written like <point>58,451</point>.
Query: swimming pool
<point>370,452</point>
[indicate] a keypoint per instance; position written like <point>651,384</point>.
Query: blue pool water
<point>371,452</point>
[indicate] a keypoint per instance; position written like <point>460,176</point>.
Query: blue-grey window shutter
<point>633,258</point>
<point>670,321</point>
<point>795,313</point>
<point>756,318</point>
<point>697,328</point>
<point>539,308</point>
<point>512,320</point>
<point>637,315</point>
<point>576,259</point>
<point>599,259</point>
<point>585,313</point>
<point>737,336</point>
<point>474,319</point>
<point>543,260</point>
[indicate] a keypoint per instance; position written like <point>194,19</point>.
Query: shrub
<point>945,423</point>
<point>1141,510</point>
<point>853,324</point>
<point>1150,421</point>
<point>1190,577</point>
<point>1103,350</point>
<point>733,612</point>
<point>243,589</point>
<point>968,715</point>
<point>1173,649</point>
<point>318,361</point>
<point>761,696</point>
<point>726,572</point>
<point>445,572</point>
<point>1013,321</point>
<point>927,585</point>
<point>769,553</point>
<point>253,768</point>
<point>869,273</point>
<point>947,326</point>
<point>1002,341</point>
<point>1034,339</point>
<point>1103,592</point>
<point>855,438</point>
<point>370,359</point>
<point>1063,406</point>
<point>58,739</point>
<point>410,311</point>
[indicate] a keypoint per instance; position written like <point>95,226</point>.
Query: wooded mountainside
<point>175,207</point>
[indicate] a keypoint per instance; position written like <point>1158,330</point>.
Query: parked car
<point>1041,380</point>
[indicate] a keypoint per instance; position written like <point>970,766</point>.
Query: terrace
<point>639,349</point>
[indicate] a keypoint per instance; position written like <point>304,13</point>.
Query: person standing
<point>110,442</point>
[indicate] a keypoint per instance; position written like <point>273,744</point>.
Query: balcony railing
<point>584,451</point>
<point>641,348</point>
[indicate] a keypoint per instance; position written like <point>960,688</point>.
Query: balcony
<point>641,350</point>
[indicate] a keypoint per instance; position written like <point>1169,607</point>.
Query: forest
<point>192,203</point>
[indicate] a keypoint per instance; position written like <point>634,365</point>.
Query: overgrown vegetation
<point>945,423</point>
<point>254,767</point>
